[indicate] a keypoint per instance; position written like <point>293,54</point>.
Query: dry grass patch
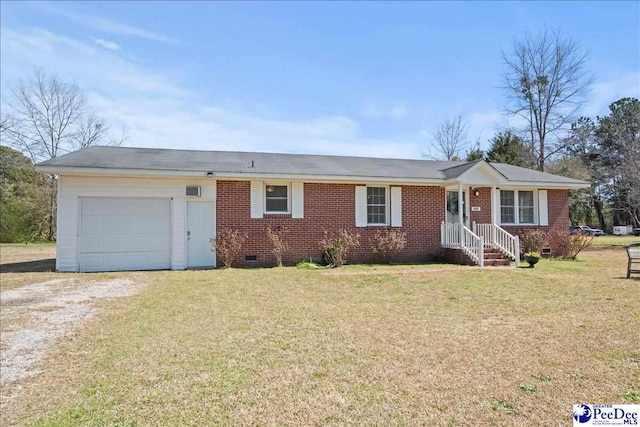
<point>440,346</point>
<point>25,263</point>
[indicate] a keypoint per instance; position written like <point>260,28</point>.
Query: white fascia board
<point>527,184</point>
<point>153,173</point>
<point>483,165</point>
<point>330,178</point>
<point>551,185</point>
<point>150,173</point>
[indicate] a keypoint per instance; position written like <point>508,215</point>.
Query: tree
<point>618,135</point>
<point>48,117</point>
<point>449,139</point>
<point>546,83</point>
<point>22,198</point>
<point>610,148</point>
<point>506,147</point>
<point>474,154</point>
<point>584,201</point>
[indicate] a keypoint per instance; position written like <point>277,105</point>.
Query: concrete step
<point>496,262</point>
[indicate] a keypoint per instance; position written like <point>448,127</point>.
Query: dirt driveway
<point>32,317</point>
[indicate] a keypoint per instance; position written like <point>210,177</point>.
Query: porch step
<point>495,258</point>
<point>497,262</point>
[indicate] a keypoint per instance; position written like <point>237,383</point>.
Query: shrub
<point>227,244</point>
<point>388,243</point>
<point>569,245</point>
<point>532,240</point>
<point>276,237</point>
<point>337,246</point>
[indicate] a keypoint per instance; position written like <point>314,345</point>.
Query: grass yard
<point>25,258</point>
<point>402,345</point>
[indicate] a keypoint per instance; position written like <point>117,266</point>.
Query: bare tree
<point>547,83</point>
<point>449,139</point>
<point>48,117</point>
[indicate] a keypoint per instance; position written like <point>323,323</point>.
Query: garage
<point>124,234</point>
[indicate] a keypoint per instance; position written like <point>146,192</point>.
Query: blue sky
<point>371,79</point>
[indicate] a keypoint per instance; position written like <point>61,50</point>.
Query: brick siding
<point>483,201</point>
<point>332,207</point>
<point>558,201</point>
<point>329,207</point>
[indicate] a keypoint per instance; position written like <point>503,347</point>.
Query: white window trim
<point>387,207</point>
<point>516,214</point>
<point>264,201</point>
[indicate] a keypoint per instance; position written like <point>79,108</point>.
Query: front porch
<point>481,243</point>
<point>477,204</point>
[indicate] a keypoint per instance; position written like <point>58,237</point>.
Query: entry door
<point>200,231</point>
<point>453,211</point>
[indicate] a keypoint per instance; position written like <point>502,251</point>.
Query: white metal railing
<point>457,236</point>
<point>500,239</point>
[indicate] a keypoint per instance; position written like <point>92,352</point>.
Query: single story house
<point>125,208</point>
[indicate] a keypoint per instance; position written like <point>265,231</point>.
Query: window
<point>525,207</point>
<point>517,207</point>
<point>507,207</point>
<point>377,205</point>
<point>276,199</point>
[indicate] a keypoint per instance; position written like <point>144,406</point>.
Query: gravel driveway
<point>34,316</point>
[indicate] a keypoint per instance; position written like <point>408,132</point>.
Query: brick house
<point>139,209</point>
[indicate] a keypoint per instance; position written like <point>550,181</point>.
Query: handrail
<point>500,239</point>
<point>457,236</point>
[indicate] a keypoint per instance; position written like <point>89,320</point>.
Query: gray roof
<point>230,162</point>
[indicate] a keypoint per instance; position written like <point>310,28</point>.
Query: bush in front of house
<point>388,243</point>
<point>568,245</point>
<point>279,246</point>
<point>336,246</point>
<point>228,243</point>
<point>532,240</point>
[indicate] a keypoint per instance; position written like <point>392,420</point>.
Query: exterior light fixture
<point>476,192</point>
<point>209,175</point>
<point>269,189</point>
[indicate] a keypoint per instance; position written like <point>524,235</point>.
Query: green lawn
<point>401,345</point>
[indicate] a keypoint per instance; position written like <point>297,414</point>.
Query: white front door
<point>200,232</point>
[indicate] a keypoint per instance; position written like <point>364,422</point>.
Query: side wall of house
<point>329,207</point>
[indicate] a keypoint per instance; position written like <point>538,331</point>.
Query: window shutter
<point>543,208</point>
<point>297,199</point>
<point>396,206</point>
<point>361,206</point>
<point>257,199</point>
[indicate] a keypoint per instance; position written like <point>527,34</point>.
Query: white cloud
<point>603,93</point>
<point>106,44</point>
<point>159,112</point>
<point>94,68</point>
<point>101,24</point>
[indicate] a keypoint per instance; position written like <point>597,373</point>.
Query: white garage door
<point>125,234</point>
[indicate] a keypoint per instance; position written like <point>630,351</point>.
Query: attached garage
<point>123,233</point>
